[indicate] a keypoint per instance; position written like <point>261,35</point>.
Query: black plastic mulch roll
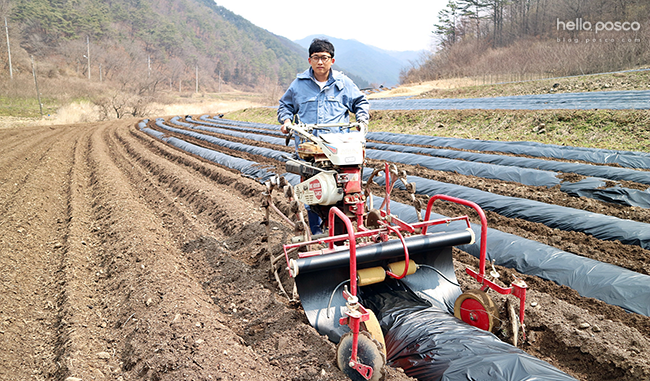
<point>234,132</point>
<point>246,167</point>
<point>569,219</point>
<point>596,188</point>
<point>266,152</point>
<point>592,155</point>
<point>601,226</point>
<point>607,172</point>
<point>430,344</point>
<point>238,123</point>
<point>533,177</point>
<point>617,100</point>
<point>590,278</point>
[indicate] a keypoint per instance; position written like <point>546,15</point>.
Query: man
<point>321,95</point>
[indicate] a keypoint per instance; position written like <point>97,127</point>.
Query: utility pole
<point>196,75</point>
<point>88,54</point>
<point>100,72</point>
<point>11,70</point>
<point>38,93</point>
<point>149,66</point>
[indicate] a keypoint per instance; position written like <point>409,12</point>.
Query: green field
<point>26,107</point>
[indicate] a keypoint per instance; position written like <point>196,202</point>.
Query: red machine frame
<point>356,313</point>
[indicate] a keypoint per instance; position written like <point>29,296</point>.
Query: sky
<point>390,25</point>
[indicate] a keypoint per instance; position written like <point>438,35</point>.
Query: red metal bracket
<point>364,370</point>
<point>356,314</point>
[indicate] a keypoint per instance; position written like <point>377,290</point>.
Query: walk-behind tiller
<point>364,246</point>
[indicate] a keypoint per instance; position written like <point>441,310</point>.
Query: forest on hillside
<point>536,38</point>
<point>157,43</point>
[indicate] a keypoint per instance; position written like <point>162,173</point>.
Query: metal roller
<point>382,251</point>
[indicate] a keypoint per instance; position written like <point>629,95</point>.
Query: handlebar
<point>304,127</point>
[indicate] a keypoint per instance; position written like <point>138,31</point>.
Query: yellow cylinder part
<point>370,275</point>
<point>397,268</point>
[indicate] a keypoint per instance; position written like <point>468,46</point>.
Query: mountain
<point>168,40</point>
<point>374,65</point>
<point>143,46</point>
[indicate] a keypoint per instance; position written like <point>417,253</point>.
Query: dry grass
<point>86,112</point>
<point>205,107</point>
<point>69,98</point>
<point>412,89</point>
<point>619,81</point>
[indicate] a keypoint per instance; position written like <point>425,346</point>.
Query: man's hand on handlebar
<point>363,126</point>
<point>285,127</point>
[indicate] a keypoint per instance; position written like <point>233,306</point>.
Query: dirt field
<point>124,259</point>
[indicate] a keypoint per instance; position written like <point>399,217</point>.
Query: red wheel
<point>476,308</point>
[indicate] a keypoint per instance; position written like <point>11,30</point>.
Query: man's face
<point>321,63</point>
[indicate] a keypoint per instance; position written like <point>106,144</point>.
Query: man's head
<point>321,46</point>
<point>321,58</point>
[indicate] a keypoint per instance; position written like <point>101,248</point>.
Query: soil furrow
<point>86,350</point>
<point>14,143</point>
<point>31,250</point>
<point>235,279</point>
<point>190,345</point>
<point>20,167</point>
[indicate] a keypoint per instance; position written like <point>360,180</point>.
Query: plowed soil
<point>122,258</point>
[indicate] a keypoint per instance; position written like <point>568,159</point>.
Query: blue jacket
<point>333,104</point>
